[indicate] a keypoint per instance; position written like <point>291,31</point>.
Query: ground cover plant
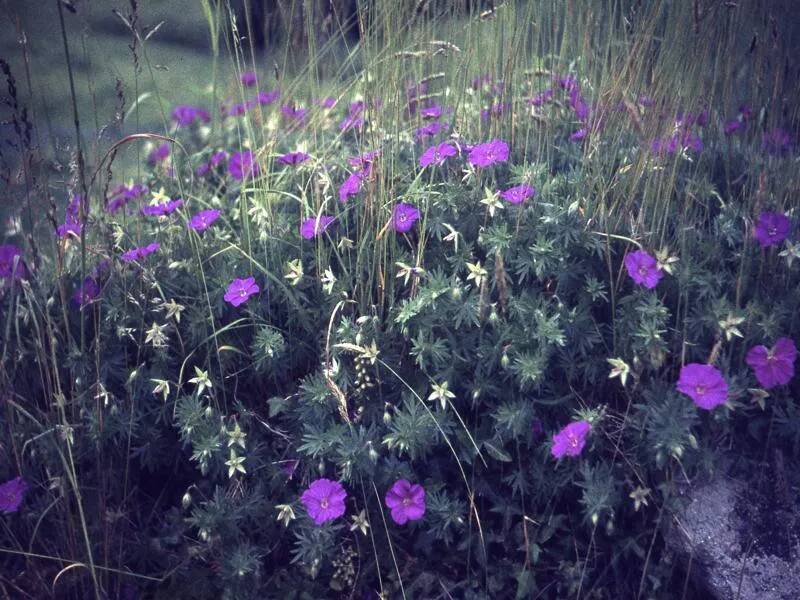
<point>453,309</point>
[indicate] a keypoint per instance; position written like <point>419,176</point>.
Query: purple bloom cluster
<point>704,384</point>
<point>324,500</point>
<point>185,114</point>
<point>313,226</point>
<point>771,229</point>
<point>406,501</point>
<point>240,290</point>
<point>683,139</point>
<point>135,254</point>
<point>122,194</point>
<point>571,440</point>
<point>773,366</point>
<point>163,209</point>
<point>643,269</point>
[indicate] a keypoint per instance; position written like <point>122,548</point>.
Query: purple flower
<point>351,186</point>
<point>571,440</point>
<point>773,366</point>
<point>518,193</point>
<point>777,141</point>
<point>704,384</point>
<point>288,467</point>
<point>356,107</point>
<point>324,500</point>
<point>733,126</point>
<point>352,122</point>
<point>436,155</point>
<point>217,158</point>
<point>237,110</point>
<point>567,82</point>
<point>495,110</point>
<point>327,102</point>
<point>578,135</point>
<point>428,130</point>
<point>643,269</point>
<point>542,98</point>
<point>479,81</point>
<point>71,226</point>
<point>432,112</point>
<point>772,228</point>
<point>404,216</point>
<point>293,113</point>
<point>86,292</point>
<point>121,195</point>
<point>11,494</point>
<point>313,226</point>
<point>578,105</point>
<point>11,264</point>
<point>248,78</point>
<point>161,210</point>
<point>363,161</point>
<point>243,165</point>
<point>240,290</point>
<point>204,219</point>
<point>185,114</point>
<point>139,253</point>
<point>159,154</point>
<point>406,500</point>
<point>265,98</point>
<point>293,158</point>
<point>488,153</point>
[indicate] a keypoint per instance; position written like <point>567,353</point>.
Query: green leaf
<point>497,453</point>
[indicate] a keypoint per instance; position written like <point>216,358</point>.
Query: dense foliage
<point>457,338</point>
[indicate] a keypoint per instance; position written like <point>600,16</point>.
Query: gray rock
<point>738,543</point>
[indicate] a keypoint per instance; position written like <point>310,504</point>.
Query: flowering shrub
<point>427,359</point>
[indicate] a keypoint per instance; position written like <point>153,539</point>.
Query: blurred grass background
<point>99,40</point>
